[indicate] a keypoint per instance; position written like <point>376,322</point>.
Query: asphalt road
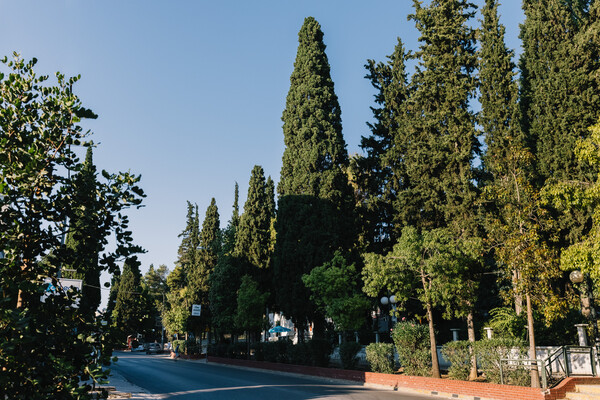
<point>165,378</point>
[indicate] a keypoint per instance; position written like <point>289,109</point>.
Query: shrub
<point>181,344</point>
<point>192,347</point>
<point>490,351</point>
<point>348,352</point>
<point>412,345</point>
<point>380,357</point>
<point>320,352</point>
<point>259,351</point>
<point>458,354</point>
<point>299,354</point>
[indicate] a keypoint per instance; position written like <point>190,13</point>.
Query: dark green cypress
<point>190,242</point>
<point>559,80</point>
<point>254,234</point>
<point>130,312</point>
<point>313,178</point>
<point>225,278</point>
<point>84,237</point>
<point>209,249</point>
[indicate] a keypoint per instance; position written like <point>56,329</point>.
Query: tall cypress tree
<point>313,178</point>
<point>188,250</point>
<point>508,164</point>
<point>559,86</point>
<point>129,314</point>
<point>254,234</point>
<point>83,238</point>
<point>225,278</point>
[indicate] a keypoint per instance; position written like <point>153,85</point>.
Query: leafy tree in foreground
<point>46,347</point>
<point>429,266</point>
<point>336,289</point>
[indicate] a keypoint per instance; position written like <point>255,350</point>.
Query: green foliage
<point>412,344</point>
<point>313,172</point>
<point>348,352</point>
<point>458,353</point>
<point>300,354</point>
<point>335,290</point>
<point>491,351</point>
<point>48,348</point>
<point>378,176</point>
<point>251,304</point>
<point>253,241</point>
<point>84,228</point>
<point>321,352</point>
<point>307,236</point>
<point>277,351</point>
<point>131,313</point>
<point>380,357</point>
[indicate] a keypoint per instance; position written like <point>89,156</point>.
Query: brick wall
<point>462,389</point>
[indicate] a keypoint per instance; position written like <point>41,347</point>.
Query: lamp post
<point>391,300</point>
<point>586,295</point>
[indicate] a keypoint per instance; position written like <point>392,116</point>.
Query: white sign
<point>196,308</point>
<point>65,283</point>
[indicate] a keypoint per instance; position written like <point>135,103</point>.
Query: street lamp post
<point>390,300</point>
<point>587,301</point>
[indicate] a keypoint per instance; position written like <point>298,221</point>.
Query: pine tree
<point>83,237</point>
<point>378,176</point>
<point>313,178</point>
<point>437,141</point>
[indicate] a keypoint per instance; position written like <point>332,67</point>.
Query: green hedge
<point>490,351</point>
<point>380,357</point>
<point>348,352</point>
<point>458,354</point>
<point>412,345</point>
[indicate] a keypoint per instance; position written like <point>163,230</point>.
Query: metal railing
<point>557,365</point>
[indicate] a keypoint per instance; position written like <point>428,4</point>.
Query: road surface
<point>164,378</point>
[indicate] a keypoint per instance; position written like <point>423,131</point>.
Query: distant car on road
<point>153,348</point>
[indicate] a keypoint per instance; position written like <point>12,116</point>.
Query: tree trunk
<point>518,296</point>
<point>435,365</point>
<point>471,335</point>
<point>535,375</point>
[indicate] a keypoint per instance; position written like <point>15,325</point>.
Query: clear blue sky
<point>190,93</point>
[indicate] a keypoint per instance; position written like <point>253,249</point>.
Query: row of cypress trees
<point>430,162</point>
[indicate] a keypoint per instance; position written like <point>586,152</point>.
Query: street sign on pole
<point>196,308</point>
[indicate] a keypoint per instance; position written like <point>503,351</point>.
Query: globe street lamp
<point>586,295</point>
<point>390,300</point>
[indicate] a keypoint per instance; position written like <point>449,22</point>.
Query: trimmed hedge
<point>380,357</point>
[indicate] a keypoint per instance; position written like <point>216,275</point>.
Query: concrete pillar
<point>455,334</point>
<point>489,331</point>
<point>582,334</point>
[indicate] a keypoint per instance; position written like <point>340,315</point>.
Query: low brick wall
<point>454,388</point>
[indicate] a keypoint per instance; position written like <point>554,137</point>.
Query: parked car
<point>153,348</point>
